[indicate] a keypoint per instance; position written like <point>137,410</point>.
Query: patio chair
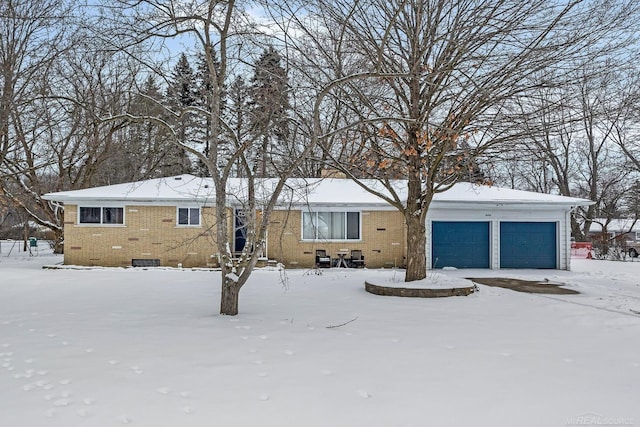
<point>322,259</point>
<point>357,259</point>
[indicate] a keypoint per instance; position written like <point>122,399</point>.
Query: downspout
<point>266,238</point>
<point>567,239</point>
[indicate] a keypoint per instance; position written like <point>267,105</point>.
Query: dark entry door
<point>240,230</point>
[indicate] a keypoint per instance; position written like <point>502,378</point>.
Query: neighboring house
<point>170,221</point>
<point>615,237</point>
<point>621,228</point>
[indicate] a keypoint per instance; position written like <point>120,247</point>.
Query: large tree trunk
<point>416,249</point>
<point>229,297</point>
<point>415,217</point>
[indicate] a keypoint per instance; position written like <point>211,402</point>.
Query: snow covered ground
<point>108,347</point>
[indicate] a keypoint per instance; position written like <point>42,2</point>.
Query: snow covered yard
<point>147,347</point>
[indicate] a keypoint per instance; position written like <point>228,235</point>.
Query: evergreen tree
<point>180,95</point>
<point>204,84</point>
<point>269,105</point>
<point>238,118</point>
<point>149,152</point>
<point>182,86</point>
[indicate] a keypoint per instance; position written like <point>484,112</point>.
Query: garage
<point>528,245</point>
<point>460,244</point>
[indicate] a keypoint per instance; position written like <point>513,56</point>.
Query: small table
<point>342,262</point>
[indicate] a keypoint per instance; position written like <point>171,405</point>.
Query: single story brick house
<point>170,221</point>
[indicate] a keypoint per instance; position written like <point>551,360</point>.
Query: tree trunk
<point>576,231</point>
<point>58,239</point>
<point>25,236</point>
<point>229,298</point>
<point>416,208</point>
<point>416,249</point>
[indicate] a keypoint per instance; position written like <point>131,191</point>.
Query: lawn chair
<point>357,259</point>
<point>322,259</point>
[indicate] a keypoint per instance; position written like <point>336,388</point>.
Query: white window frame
<point>331,211</point>
<point>189,209</point>
<point>101,223</point>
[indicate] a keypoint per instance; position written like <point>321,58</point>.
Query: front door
<point>240,230</point>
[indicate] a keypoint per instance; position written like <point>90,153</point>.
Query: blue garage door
<point>528,245</point>
<point>460,244</point>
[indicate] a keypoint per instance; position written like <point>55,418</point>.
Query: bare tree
<point>33,35</point>
<point>223,33</point>
<point>58,139</point>
<point>61,142</point>
<point>602,177</point>
<point>434,80</point>
<point>626,131</point>
<point>569,136</point>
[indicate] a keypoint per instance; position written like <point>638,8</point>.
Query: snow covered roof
<point>621,225</point>
<point>467,192</point>
<point>175,188</point>
<point>310,191</point>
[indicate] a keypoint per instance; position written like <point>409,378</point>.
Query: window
<point>106,215</point>
<point>188,216</point>
<point>331,225</point>
<point>112,215</point>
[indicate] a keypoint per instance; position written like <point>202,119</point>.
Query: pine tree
<point>149,151</point>
<point>181,94</point>
<point>269,105</point>
<point>238,117</point>
<point>204,84</point>
<point>182,87</point>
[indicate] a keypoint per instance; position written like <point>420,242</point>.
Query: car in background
<point>633,249</point>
